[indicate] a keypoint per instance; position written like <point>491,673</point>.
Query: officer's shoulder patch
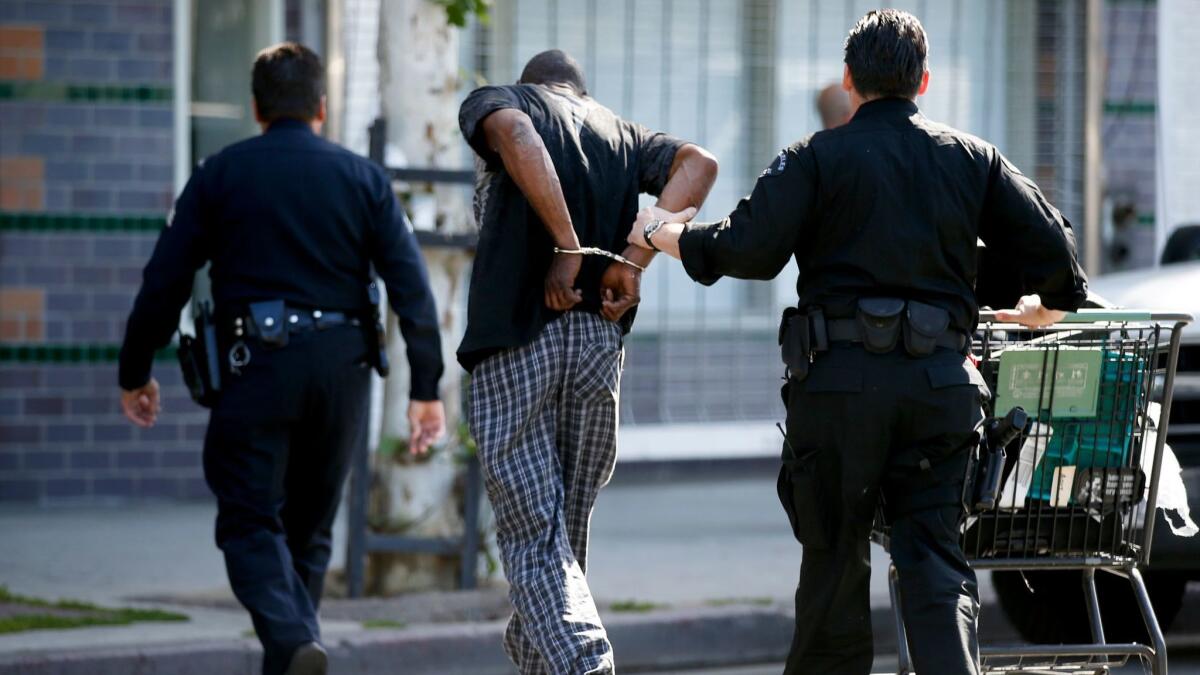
<point>778,166</point>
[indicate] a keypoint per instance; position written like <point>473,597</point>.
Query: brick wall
<point>86,165</point>
<point>1128,128</point>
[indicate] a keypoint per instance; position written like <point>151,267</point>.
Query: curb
<point>646,642</point>
<point>701,637</point>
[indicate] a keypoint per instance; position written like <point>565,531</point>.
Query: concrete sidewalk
<point>711,560</point>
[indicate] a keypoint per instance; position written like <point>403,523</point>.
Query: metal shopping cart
<point>1079,482</point>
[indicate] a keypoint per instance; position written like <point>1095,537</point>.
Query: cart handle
<point>1108,315</point>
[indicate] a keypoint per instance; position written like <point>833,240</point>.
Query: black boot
<point>309,659</point>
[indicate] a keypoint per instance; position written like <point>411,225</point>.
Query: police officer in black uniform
<point>292,225</point>
<point>882,217</point>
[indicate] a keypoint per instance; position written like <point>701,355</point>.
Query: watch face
<point>651,227</point>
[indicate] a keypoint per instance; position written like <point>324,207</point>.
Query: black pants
<point>278,448</point>
<point>859,426</point>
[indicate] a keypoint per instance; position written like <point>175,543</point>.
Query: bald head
<point>833,104</point>
<point>554,66</point>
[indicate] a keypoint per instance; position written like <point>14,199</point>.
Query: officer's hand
<point>620,289</point>
<point>427,425</point>
<point>561,293</point>
<point>1030,313</point>
<point>141,405</point>
<point>651,213</point>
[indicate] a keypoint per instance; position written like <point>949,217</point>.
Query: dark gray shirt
<point>603,163</point>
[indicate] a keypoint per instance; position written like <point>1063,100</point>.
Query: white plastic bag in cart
<point>1172,494</point>
<point>1016,488</point>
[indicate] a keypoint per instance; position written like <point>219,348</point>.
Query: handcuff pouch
<point>269,324</point>
<point>879,319</point>
<point>924,326</point>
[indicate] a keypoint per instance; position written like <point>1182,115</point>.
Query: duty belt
<point>850,330</point>
<point>270,322</point>
<point>297,321</point>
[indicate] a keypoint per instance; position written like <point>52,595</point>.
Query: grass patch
<point>726,602</point>
<point>635,606</point>
<point>377,624</point>
<point>63,614</point>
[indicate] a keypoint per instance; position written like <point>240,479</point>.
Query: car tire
<point>1183,245</point>
<point>1055,613</point>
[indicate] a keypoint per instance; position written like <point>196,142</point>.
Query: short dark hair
<point>554,66</point>
<point>887,52</point>
<point>288,80</point>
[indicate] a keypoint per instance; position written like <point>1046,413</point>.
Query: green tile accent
<point>83,93</point>
<point>78,222</point>
<point>1146,219</point>
<point>1129,107</point>
<point>25,353</point>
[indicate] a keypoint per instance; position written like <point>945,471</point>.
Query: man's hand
<point>561,293</point>
<point>427,425</point>
<point>620,289</point>
<point>1030,313</point>
<point>141,405</point>
<point>651,213</point>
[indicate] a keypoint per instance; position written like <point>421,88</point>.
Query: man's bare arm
<point>510,133</point>
<point>691,177</point>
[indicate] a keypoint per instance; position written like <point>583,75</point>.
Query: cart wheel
<point>1055,612</point>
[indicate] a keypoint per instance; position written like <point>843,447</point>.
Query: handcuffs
<point>591,250</point>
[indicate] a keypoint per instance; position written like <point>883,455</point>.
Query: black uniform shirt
<point>890,205</point>
<point>603,163</point>
<point>286,215</point>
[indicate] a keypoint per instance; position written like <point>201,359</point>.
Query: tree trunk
<point>418,54</point>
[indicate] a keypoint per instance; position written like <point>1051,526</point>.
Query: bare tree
<point>419,80</point>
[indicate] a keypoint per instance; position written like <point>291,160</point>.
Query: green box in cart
<point>1076,382</point>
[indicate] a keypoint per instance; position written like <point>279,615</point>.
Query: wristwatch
<point>648,231</point>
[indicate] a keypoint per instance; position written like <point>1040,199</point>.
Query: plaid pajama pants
<point>544,417</point>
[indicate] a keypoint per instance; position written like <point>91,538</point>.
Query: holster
<point>377,337</point>
<point>986,473</point>
<point>880,319</point>
<point>794,344</point>
<point>199,359</point>
<point>925,323</point>
<point>269,317</point>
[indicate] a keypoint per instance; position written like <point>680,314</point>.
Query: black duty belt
<point>298,321</point>
<point>270,322</point>
<point>850,330</point>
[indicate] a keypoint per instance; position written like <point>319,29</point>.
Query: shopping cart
<point>1079,486</point>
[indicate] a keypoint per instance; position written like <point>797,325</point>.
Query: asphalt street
<point>668,541</point>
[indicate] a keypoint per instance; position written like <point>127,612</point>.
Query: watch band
<point>649,230</point>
